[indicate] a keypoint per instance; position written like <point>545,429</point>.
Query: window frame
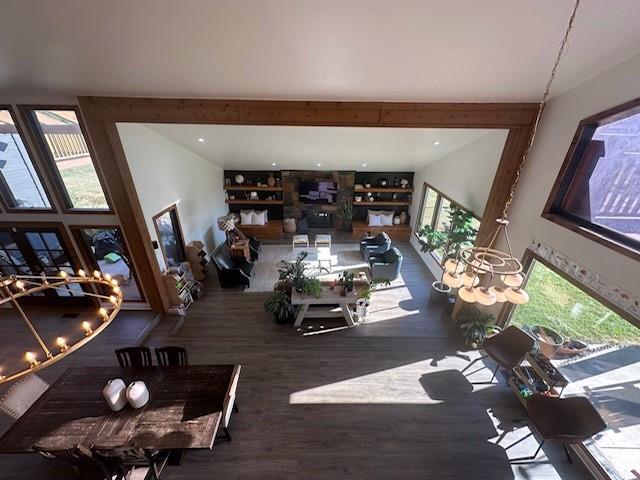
<point>437,211</point>
<point>554,211</point>
<point>5,189</point>
<point>183,246</point>
<point>28,114</point>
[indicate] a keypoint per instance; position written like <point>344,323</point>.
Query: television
<point>317,192</point>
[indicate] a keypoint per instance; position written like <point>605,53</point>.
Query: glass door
<point>34,251</point>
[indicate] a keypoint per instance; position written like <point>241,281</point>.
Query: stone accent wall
<point>293,207</point>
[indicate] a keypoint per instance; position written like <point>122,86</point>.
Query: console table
<point>325,306</point>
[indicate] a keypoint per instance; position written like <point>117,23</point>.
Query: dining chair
<point>134,357</point>
<point>78,458</point>
<point>129,458</point>
<point>229,406</point>
<point>172,356</point>
<point>507,348</point>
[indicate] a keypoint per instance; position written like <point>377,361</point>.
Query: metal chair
<point>129,458</point>
<point>78,458</point>
<point>565,420</point>
<point>134,357</point>
<point>172,356</point>
<point>507,348</point>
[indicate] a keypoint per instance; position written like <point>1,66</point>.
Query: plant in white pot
<point>458,233</point>
<point>364,296</point>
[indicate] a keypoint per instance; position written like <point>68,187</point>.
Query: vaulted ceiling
<point>418,50</point>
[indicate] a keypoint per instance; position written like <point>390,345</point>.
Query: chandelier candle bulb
<point>103,313</point>
<point>64,275</point>
<point>107,277</point>
<point>86,326</point>
<point>62,343</point>
<point>20,284</point>
<point>97,274</point>
<point>82,273</point>
<point>116,290</point>
<point>32,359</point>
<point>113,299</point>
<point>114,282</point>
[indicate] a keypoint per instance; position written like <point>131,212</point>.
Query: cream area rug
<point>344,256</point>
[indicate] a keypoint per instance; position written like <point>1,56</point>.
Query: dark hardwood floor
<point>385,399</point>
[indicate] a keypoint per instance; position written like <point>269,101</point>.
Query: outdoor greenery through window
<point>19,182</point>
<point>435,215</point>
<point>599,353</point>
<point>62,137</point>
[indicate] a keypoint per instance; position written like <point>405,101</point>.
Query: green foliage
<point>279,305</point>
<point>293,272</point>
<point>459,233</point>
<point>346,279</point>
<point>372,286</point>
<point>312,287</point>
<point>474,325</point>
<point>346,211</point>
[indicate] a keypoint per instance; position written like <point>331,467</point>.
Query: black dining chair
<point>172,356</point>
<point>129,458</point>
<point>134,357</point>
<point>78,458</point>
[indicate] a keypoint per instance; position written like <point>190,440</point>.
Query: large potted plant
<point>476,326</point>
<point>293,273</point>
<point>279,305</point>
<point>346,212</point>
<point>458,233</point>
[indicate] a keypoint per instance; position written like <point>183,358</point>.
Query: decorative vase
<point>403,217</point>
<point>137,394</point>
<point>439,292</point>
<point>271,181</point>
<point>114,393</point>
<point>239,179</point>
<point>396,220</point>
<point>362,308</point>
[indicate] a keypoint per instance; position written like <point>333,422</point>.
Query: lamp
<point>13,287</point>
<point>500,271</point>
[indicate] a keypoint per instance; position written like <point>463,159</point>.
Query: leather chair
<point>564,420</point>
<point>255,246</point>
<point>507,348</point>
<point>386,265</point>
<point>230,273</point>
<point>376,246</point>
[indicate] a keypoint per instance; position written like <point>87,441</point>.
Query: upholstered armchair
<point>230,273</point>
<point>375,246</point>
<point>386,265</point>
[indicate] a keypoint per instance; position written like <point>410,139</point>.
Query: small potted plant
<point>312,287</point>
<point>458,233</point>
<point>279,305</point>
<point>476,326</point>
<point>364,302</point>
<point>346,281</point>
<point>347,213</point>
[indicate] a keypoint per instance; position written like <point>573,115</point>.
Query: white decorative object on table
<point>115,394</point>
<point>239,179</point>
<point>137,394</point>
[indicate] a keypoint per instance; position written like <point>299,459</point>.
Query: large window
<point>599,355</point>
<point>598,190</point>
<point>434,212</point>
<point>19,182</point>
<point>61,137</point>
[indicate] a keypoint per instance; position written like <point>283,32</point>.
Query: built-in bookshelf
<point>391,191</point>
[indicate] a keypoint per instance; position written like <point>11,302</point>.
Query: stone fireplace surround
<point>318,215</point>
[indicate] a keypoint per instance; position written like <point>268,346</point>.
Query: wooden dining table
<point>184,410</point>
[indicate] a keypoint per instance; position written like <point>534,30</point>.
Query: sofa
<point>375,245</point>
<point>386,266</point>
<point>231,273</point>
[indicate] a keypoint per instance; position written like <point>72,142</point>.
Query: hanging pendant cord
<point>543,103</point>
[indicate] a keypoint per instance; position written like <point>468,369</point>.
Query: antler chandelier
<point>483,273</point>
<point>14,287</point>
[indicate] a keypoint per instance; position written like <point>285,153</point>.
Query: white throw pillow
<point>375,220</point>
<point>386,218</point>
<point>246,217</point>
<point>371,213</point>
<point>259,218</point>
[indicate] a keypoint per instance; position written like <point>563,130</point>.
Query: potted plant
<point>346,281</point>
<point>294,272</point>
<point>476,326</point>
<point>312,287</point>
<point>280,306</point>
<point>364,302</point>
<point>347,213</point>
<point>458,233</point>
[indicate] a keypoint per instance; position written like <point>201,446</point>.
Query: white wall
<point>465,175</point>
<point>165,173</point>
<point>614,87</point>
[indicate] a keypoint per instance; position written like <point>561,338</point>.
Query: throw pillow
<point>375,220</point>
<point>246,217</point>
<point>386,218</point>
<point>112,257</point>
<point>370,213</point>
<point>259,218</point>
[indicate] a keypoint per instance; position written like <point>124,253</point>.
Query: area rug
<point>344,256</point>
